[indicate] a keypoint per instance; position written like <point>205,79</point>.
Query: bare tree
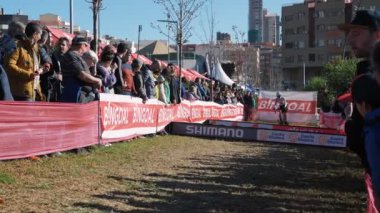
<point>182,13</point>
<point>96,6</point>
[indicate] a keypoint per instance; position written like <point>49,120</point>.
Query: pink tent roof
<point>188,75</point>
<point>57,33</point>
<point>142,58</point>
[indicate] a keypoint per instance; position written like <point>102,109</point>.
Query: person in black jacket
<point>122,50</point>
<point>138,80</point>
<point>376,61</point>
<point>54,76</point>
<point>363,32</point>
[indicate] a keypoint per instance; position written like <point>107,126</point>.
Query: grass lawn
<point>183,174</point>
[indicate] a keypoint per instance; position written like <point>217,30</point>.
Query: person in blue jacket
<point>5,91</point>
<point>366,97</point>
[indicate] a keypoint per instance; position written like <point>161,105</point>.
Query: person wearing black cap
<point>78,83</point>
<point>376,61</point>
<point>365,94</point>
<point>363,32</point>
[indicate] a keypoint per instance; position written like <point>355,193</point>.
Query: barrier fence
<point>38,128</point>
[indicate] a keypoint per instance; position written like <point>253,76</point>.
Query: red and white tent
<point>142,58</point>
<point>57,33</point>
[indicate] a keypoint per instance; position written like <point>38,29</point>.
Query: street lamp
<point>172,22</point>
<point>176,24</point>
<point>138,40</point>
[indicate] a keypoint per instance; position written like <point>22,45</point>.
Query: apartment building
<point>271,28</point>
<point>270,67</point>
<point>255,21</point>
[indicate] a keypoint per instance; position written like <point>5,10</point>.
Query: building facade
<point>311,38</point>
<point>271,28</point>
<point>6,19</point>
<point>255,21</point>
<point>270,67</point>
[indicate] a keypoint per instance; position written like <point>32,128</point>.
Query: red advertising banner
<point>125,117</point>
<point>37,128</point>
<point>331,120</point>
<point>301,107</point>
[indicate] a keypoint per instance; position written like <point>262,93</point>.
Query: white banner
<point>124,117</point>
<point>302,107</point>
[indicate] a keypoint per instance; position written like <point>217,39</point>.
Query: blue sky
<point>121,18</point>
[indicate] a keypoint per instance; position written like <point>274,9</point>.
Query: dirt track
<point>180,174</point>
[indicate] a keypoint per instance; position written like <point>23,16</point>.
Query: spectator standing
<point>129,88</point>
<point>191,94</point>
<point>8,43</point>
<point>5,91</point>
<point>55,78</point>
<point>138,80</point>
<point>155,67</point>
<point>149,81</point>
<point>365,94</point>
<point>23,66</point>
<point>166,75</point>
<point>78,82</point>
<point>201,90</point>
<point>46,63</point>
<point>122,49</point>
<point>363,32</point>
<point>106,69</point>
<point>173,85</point>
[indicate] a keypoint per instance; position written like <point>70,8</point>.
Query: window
<point>301,15</point>
<point>321,27</point>
<point>300,58</point>
<point>301,30</point>
<point>321,43</point>
<point>332,27</point>
<point>320,14</point>
<point>289,31</point>
<point>339,43</point>
<point>321,58</point>
<point>301,44</point>
<point>289,45</point>
<point>312,57</point>
<point>289,18</point>
<point>289,59</point>
<point>334,57</point>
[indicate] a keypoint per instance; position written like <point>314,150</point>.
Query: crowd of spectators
<point>68,71</point>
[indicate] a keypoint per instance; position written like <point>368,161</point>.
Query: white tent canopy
<point>219,74</point>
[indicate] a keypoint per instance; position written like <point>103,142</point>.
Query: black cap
<point>136,63</point>
<point>79,40</point>
<point>364,19</point>
<point>365,89</point>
